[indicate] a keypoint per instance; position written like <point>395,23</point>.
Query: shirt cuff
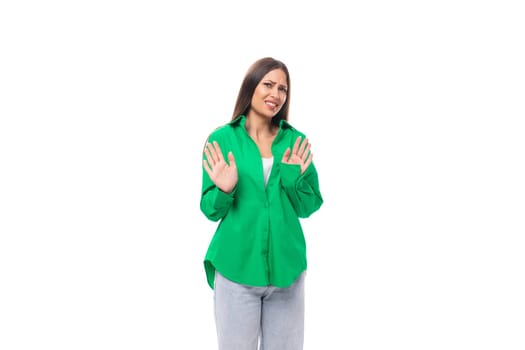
<point>223,199</point>
<point>289,174</point>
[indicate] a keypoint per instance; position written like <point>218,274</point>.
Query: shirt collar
<point>241,120</point>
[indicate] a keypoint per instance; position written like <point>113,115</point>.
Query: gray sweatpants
<point>265,318</point>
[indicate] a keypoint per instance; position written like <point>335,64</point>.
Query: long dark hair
<point>255,73</point>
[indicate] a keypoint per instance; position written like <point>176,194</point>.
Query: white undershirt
<point>267,167</point>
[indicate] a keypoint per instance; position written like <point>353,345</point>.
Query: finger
<point>306,152</point>
<point>308,161</point>
<point>209,157</point>
<point>301,152</point>
<point>207,168</point>
<point>286,155</point>
<point>211,153</point>
<point>218,151</point>
<point>231,159</point>
<point>296,145</point>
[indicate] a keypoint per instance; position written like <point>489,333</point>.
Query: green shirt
<point>259,240</point>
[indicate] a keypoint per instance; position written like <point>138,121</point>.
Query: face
<point>270,94</point>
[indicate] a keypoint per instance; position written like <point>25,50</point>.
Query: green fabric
<point>259,240</point>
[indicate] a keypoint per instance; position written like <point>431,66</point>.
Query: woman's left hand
<point>300,154</point>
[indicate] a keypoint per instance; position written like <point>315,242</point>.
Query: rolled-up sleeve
<point>302,189</point>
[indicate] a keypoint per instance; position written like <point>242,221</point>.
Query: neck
<point>259,126</point>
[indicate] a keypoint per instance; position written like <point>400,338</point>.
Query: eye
<point>267,84</point>
<point>283,89</point>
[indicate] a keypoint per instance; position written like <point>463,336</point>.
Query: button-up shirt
<point>259,240</point>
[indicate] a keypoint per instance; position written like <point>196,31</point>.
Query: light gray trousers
<point>265,318</point>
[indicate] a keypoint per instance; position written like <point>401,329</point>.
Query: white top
<point>267,167</point>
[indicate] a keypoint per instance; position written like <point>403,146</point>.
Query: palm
<point>222,174</point>
<point>300,154</point>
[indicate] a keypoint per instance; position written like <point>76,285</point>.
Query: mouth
<point>271,104</point>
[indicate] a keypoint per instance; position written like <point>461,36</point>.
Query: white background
<point>415,111</point>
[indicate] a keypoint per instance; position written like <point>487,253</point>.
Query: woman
<point>258,180</point>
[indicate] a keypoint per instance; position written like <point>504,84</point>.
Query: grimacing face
<point>270,94</point>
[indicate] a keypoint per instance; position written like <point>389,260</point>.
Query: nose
<point>275,92</point>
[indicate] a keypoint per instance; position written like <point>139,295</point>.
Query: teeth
<point>271,104</point>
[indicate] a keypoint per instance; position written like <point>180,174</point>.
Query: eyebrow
<point>274,82</point>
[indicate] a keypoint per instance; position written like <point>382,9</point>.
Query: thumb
<point>231,159</point>
<point>286,155</point>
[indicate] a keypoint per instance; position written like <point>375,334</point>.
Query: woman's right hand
<point>224,176</point>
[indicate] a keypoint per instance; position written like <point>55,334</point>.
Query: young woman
<point>258,180</point>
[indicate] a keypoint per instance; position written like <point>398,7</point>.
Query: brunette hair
<point>252,78</point>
